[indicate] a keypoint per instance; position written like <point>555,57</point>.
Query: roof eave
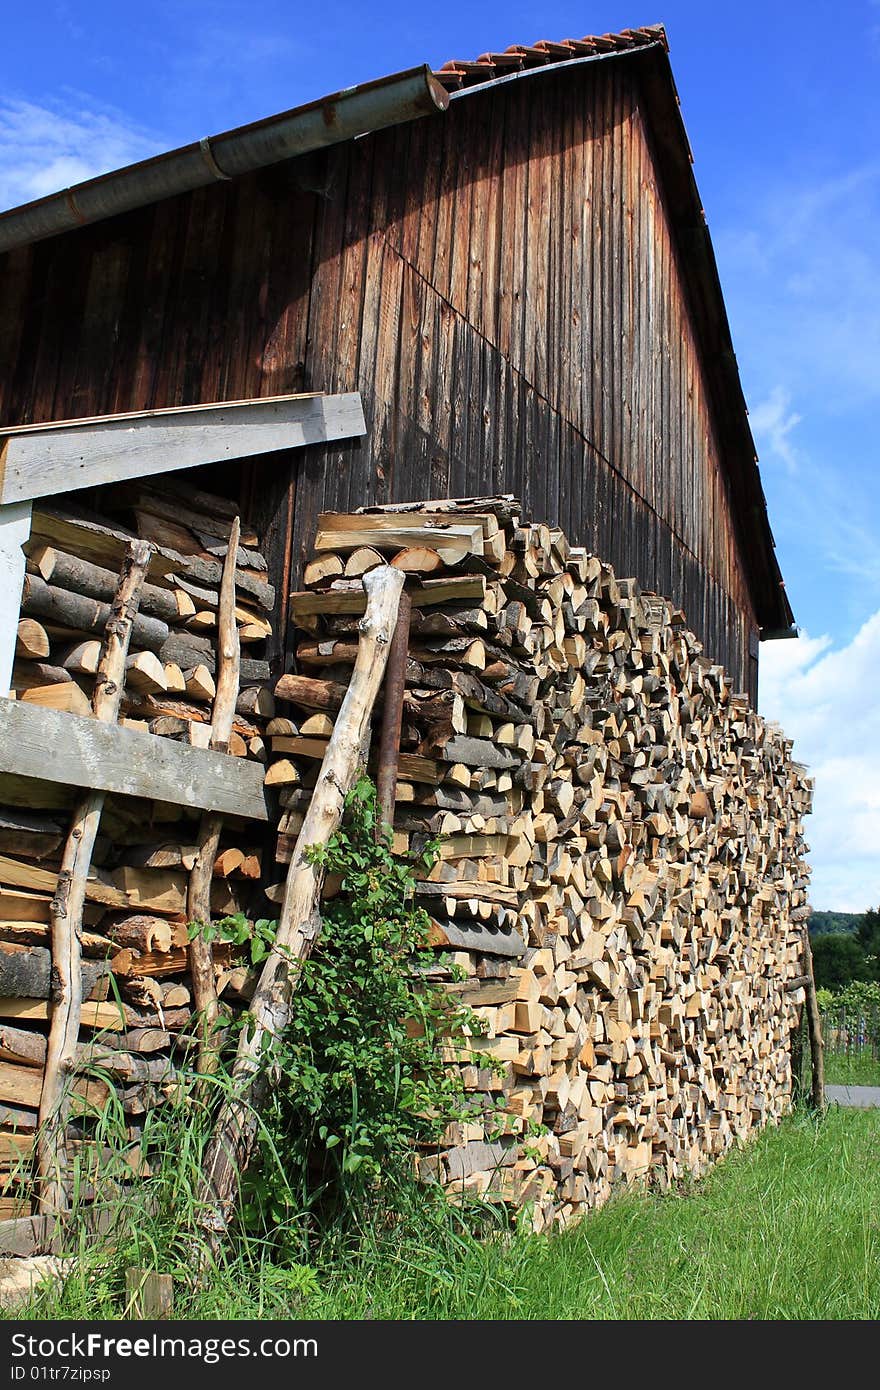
<point>341,116</point>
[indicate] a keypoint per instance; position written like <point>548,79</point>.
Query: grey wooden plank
<point>65,748</point>
<point>41,461</point>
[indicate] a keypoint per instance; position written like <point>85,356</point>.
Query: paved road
<point>854,1097</point>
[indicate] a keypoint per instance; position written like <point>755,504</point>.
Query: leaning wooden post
<point>392,715</point>
<point>198,899</point>
<point>235,1133</point>
<point>814,1026</point>
<point>67,905</point>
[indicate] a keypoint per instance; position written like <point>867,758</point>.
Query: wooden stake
<point>149,1296</point>
<point>232,1143</point>
<point>392,714</point>
<point>198,903</point>
<point>814,1024</point>
<point>66,913</point>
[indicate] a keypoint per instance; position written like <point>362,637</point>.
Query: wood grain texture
<point>506,290</point>
<point>125,761</point>
<point>42,461</point>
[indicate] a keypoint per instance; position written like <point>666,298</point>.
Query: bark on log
<point>93,581</point>
<point>814,1024</point>
<point>310,693</point>
<point>392,714</point>
<point>232,1143</point>
<point>26,972</point>
<point>67,905</point>
<point>44,601</point>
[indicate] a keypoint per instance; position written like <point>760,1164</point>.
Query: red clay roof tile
<point>519,57</point>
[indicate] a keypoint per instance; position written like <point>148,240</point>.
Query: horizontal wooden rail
<point>55,746</point>
<point>43,460</point>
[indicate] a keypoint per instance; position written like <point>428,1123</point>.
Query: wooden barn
<point>460,331</point>
<point>508,260</point>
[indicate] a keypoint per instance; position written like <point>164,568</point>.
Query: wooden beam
<point>237,1125</point>
<point>68,903</point>
<point>44,460</point>
<point>74,751</point>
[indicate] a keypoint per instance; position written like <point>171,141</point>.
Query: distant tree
<point>838,959</point>
<point>868,937</point>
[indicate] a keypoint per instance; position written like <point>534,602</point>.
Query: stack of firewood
<point>621,866</point>
<point>73,564</point>
<point>136,986</point>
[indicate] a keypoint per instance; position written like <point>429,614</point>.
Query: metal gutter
<point>341,116</point>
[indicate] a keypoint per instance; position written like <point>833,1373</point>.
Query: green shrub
<point>358,1075</point>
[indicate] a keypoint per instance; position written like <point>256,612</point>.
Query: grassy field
<point>852,1069</point>
<point>788,1228</point>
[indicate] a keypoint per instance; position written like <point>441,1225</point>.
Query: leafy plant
<point>239,931</point>
<point>361,1074</point>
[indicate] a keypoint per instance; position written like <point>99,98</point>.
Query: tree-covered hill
<point>822,923</point>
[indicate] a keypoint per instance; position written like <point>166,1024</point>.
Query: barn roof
<point>419,91</point>
<point>457,74</point>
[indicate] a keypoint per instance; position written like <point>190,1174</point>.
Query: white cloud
<point>801,277</point>
<point>47,147</point>
<point>772,422</point>
<point>825,698</point>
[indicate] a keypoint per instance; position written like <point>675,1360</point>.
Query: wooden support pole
<point>198,903</point>
<point>392,715</point>
<point>814,1025</point>
<point>66,913</point>
<point>232,1143</point>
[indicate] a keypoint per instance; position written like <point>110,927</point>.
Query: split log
<point>67,905</point>
<point>324,567</point>
<point>94,1013</point>
<point>257,701</point>
<point>199,684</point>
<point>22,1047</point>
<point>231,1145</point>
<point>65,696</point>
<point>32,640</point>
<point>146,673</point>
<point>82,657</point>
<point>28,833</point>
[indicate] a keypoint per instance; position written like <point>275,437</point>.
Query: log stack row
<point>621,873</point>
<point>138,995</point>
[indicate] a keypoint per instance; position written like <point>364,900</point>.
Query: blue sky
<point>781,107</point>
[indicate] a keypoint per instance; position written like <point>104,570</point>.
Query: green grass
<point>852,1069</point>
<point>787,1228</point>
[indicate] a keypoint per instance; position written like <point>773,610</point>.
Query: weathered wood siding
<point>499,283</point>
